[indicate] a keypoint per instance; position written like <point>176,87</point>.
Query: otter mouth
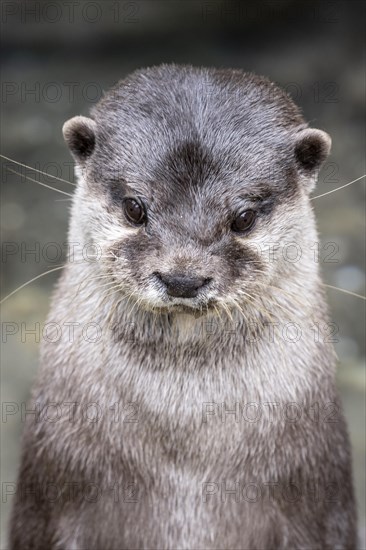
<point>194,310</point>
<point>189,310</point>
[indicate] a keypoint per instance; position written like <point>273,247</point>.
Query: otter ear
<point>79,134</point>
<point>312,147</point>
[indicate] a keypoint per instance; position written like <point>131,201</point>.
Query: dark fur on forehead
<point>185,168</point>
<point>173,132</point>
<point>184,112</point>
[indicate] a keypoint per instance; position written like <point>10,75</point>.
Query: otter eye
<point>244,221</point>
<point>134,211</point>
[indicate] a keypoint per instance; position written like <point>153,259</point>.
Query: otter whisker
<point>218,311</point>
<point>136,304</point>
<point>99,305</point>
<point>36,170</point>
<point>39,182</point>
<point>90,279</point>
<point>338,188</point>
<point>227,311</point>
<point>291,296</point>
<point>345,291</point>
<point>100,287</point>
<point>29,282</point>
<point>240,309</point>
<point>116,286</point>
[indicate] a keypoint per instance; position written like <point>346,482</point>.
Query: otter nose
<point>180,285</point>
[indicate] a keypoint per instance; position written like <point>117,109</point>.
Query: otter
<point>191,404</point>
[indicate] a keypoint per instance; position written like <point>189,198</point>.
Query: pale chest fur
<point>182,407</point>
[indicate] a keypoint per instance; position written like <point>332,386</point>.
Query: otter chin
<point>196,311</point>
<point>194,187</point>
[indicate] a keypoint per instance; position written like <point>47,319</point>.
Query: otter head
<point>187,176</point>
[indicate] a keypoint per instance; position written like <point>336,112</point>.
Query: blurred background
<point>58,57</point>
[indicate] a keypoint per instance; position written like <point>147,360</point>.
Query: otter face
<point>187,179</point>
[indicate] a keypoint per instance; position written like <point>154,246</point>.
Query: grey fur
<point>197,146</point>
